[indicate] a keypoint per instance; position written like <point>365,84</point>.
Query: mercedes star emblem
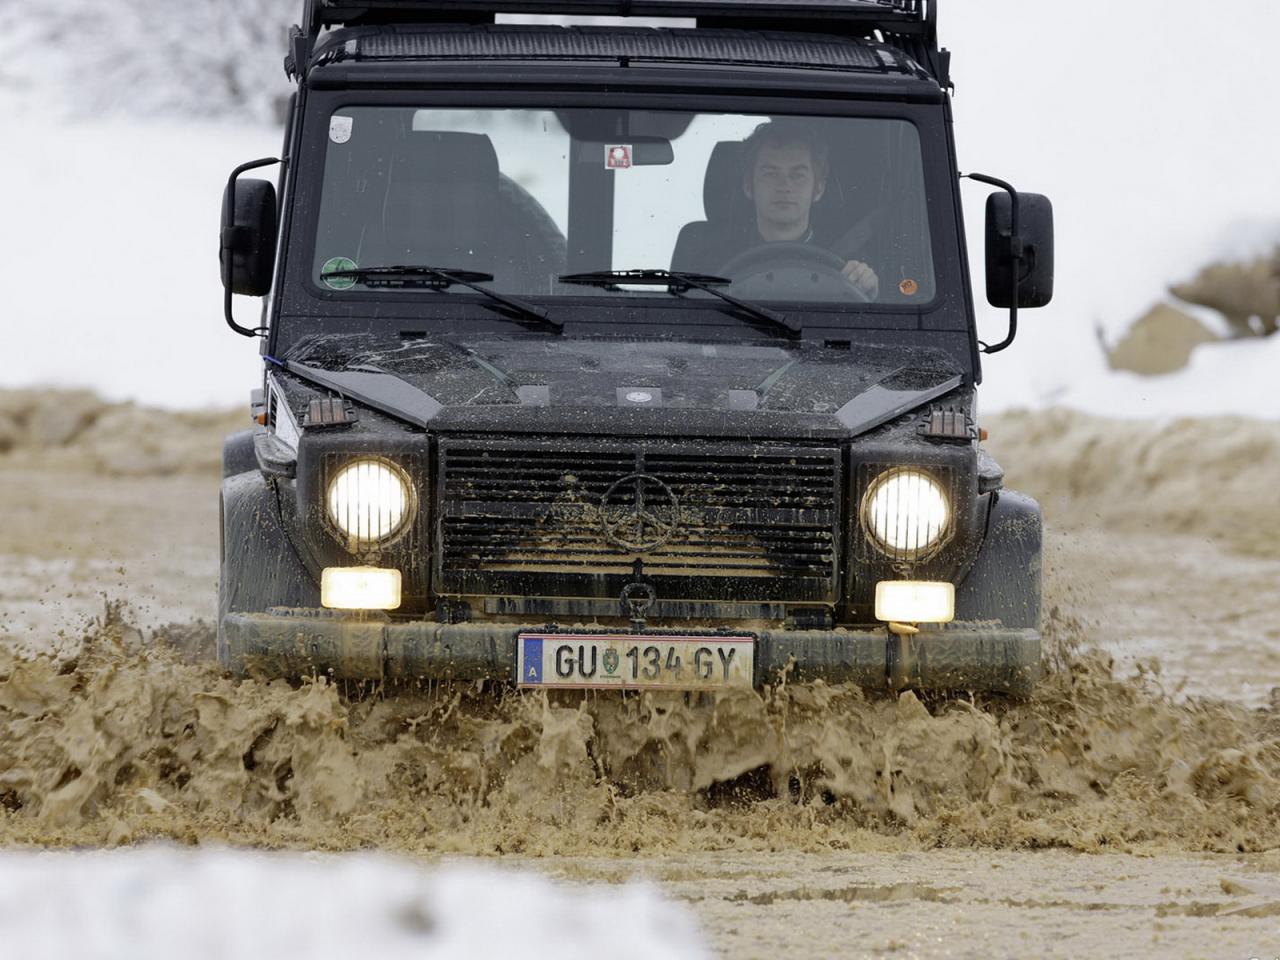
<point>639,513</point>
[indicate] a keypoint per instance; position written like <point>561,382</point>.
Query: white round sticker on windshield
<point>340,128</point>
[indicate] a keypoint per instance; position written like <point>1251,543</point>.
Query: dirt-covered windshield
<point>821,209</point>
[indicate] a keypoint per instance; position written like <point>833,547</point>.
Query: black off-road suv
<point>624,356</point>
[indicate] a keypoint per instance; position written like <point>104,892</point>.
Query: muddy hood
<point>627,387</point>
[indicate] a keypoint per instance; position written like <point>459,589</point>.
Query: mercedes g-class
<point>624,356</point>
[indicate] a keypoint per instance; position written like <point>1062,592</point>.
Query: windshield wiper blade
<point>678,283</point>
<point>441,278</point>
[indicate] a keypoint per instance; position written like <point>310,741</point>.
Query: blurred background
<point>1149,124</point>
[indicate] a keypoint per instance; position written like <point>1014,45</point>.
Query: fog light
<point>360,588</point>
<point>913,601</point>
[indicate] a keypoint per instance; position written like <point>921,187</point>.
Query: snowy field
<point>1158,151</point>
<point>112,256</point>
<point>114,282</point>
<point>215,904</point>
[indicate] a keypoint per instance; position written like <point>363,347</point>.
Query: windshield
<point>814,209</point>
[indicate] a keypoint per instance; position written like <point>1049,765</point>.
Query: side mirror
<point>1030,253</point>
<point>248,249</point>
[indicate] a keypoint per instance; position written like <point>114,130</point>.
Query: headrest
<point>722,196</point>
<point>445,158</point>
<point>441,202</point>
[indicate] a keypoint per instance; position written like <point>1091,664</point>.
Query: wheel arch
<point>1005,581</point>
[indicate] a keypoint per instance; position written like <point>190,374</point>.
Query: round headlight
<point>370,500</point>
<point>906,513</point>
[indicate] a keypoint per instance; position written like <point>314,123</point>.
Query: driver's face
<point>784,186</point>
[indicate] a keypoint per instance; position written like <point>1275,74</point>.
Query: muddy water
<point>127,741</point>
<point>1131,806</point>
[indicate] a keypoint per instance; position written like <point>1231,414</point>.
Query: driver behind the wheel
<point>785,173</point>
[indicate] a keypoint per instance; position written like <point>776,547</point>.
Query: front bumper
<point>299,643</point>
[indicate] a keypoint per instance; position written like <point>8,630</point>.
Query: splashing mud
<point>116,736</point>
<point>130,740</point>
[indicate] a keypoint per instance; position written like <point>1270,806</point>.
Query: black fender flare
<point>1004,582</point>
<point>259,567</point>
<point>237,454</point>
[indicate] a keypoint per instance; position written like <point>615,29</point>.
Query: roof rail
<point>876,13</point>
<point>908,24</point>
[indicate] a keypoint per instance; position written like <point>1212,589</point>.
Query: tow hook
<point>637,598</point>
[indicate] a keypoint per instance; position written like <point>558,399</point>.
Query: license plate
<point>634,662</point>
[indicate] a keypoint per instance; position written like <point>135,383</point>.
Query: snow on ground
<point>214,904</point>
<point>1234,377</point>
<point>1154,170</point>
<point>1153,137</point>
<point>111,258</point>
<point>118,225</point>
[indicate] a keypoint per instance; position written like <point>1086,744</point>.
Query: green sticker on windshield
<point>338,265</point>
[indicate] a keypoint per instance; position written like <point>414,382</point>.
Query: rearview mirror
<point>638,152</point>
<point>248,249</point>
<point>1030,254</point>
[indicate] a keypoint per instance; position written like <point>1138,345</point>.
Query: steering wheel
<point>772,271</point>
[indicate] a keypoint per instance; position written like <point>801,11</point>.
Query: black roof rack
<point>876,14</point>
<point>910,25</point>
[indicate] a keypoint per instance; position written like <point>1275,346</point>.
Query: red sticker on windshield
<point>617,156</point>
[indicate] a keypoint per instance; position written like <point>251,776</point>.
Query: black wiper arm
<point>441,278</point>
<point>679,282</point>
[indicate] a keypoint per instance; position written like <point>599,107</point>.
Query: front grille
<point>582,519</point>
